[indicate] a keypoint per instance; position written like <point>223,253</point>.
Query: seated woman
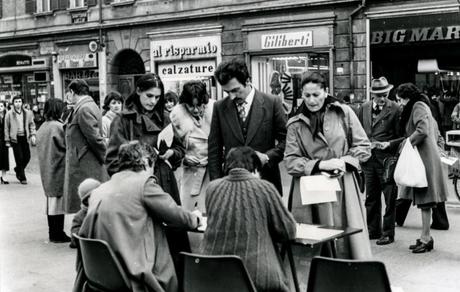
<point>246,216</point>
<point>128,212</point>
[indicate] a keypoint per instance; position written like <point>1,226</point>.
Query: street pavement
<point>29,262</point>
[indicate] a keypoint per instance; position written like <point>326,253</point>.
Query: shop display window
<point>24,85</point>
<point>280,75</point>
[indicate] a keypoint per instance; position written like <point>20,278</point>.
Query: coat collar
<point>135,115</point>
<point>84,100</point>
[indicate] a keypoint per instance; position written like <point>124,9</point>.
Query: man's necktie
<point>240,106</point>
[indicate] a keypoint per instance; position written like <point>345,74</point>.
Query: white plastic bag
<point>410,170</point>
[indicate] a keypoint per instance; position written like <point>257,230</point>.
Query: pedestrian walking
<point>129,212</point>
<point>85,146</point>
<point>51,160</point>
<point>236,227</point>
<point>326,136</point>
<point>419,126</point>
<point>380,120</point>
<point>246,117</point>
<point>4,155</point>
<point>113,105</point>
<point>19,131</point>
<point>39,119</point>
<point>191,120</point>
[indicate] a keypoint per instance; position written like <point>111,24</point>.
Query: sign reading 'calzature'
<point>438,33</point>
<point>287,40</point>
<point>187,70</point>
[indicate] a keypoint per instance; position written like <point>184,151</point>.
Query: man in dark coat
<point>85,146</point>
<point>246,117</point>
<point>380,117</point>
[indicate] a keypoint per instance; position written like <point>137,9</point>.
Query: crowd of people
<point>118,170</point>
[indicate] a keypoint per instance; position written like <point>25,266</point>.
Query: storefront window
<point>281,74</point>
<point>91,76</point>
<point>24,85</point>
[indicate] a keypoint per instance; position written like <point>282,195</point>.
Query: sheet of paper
<point>317,189</point>
<point>449,160</point>
<point>204,223</point>
<point>166,134</point>
<point>313,232</point>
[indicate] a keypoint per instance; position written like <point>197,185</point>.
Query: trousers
<point>21,153</point>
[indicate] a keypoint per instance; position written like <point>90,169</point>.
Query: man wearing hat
<point>379,118</point>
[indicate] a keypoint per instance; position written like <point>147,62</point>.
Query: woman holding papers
<point>419,126</point>
<point>246,217</point>
<point>191,120</point>
<point>325,136</point>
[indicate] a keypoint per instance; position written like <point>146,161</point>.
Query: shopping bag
<point>410,170</point>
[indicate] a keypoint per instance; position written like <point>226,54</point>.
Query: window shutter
<point>1,8</point>
<point>31,6</point>
<point>54,5</point>
<point>91,2</point>
<point>108,1</point>
<point>63,4</point>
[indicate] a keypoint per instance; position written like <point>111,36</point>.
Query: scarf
<point>317,118</point>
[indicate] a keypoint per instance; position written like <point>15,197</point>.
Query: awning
<point>23,69</point>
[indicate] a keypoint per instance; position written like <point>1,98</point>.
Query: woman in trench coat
<point>326,136</point>
<point>191,120</point>
<point>419,126</point>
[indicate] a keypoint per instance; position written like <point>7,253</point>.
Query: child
<point>84,191</point>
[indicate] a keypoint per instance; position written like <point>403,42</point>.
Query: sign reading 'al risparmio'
<point>185,48</point>
<point>422,34</point>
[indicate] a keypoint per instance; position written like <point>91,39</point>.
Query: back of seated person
<point>129,212</point>
<point>246,216</point>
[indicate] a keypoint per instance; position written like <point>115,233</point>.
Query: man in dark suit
<point>380,118</point>
<point>246,117</point>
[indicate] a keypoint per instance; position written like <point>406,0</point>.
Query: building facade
<point>44,44</point>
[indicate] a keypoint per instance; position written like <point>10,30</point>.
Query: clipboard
<point>316,189</point>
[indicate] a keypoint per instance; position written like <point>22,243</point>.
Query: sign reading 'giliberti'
<point>287,40</point>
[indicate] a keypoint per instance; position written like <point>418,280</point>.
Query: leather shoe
<point>384,240</point>
<point>414,246</point>
<point>439,227</point>
<point>424,247</point>
<point>23,182</point>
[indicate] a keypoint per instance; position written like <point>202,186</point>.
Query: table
<point>347,231</point>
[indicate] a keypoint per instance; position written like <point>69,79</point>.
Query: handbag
<point>389,165</point>
<point>410,170</point>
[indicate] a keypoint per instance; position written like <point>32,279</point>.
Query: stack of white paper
<point>315,189</point>
<point>204,224</point>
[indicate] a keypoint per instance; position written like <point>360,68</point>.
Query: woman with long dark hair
<point>419,126</point>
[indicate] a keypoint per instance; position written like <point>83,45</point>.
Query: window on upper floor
<point>43,6</point>
<point>77,3</point>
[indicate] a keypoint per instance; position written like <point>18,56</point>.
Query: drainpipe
<point>351,45</point>
<point>100,23</point>
<point>102,59</point>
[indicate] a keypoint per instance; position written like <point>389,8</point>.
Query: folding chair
<point>101,266</point>
<point>225,273</point>
<point>327,275</point>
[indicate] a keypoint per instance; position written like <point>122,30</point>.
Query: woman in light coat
<point>113,104</point>
<point>418,124</point>
<point>191,120</point>
<point>326,136</point>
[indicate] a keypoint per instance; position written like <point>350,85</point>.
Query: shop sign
<point>77,61</point>
<point>287,40</point>
<point>79,17</point>
<point>185,70</point>
<point>186,48</point>
<point>422,34</point>
<point>80,74</point>
<point>15,61</point>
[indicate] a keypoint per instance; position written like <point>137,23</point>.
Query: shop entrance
<point>128,65</point>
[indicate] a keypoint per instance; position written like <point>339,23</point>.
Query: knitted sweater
<point>245,217</point>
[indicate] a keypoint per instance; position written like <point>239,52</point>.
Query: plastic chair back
<point>102,268</point>
<point>327,274</point>
<point>225,273</point>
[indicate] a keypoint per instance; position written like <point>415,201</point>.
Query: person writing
<point>246,217</point>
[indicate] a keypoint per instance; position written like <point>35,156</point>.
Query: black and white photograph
<point>229,145</point>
